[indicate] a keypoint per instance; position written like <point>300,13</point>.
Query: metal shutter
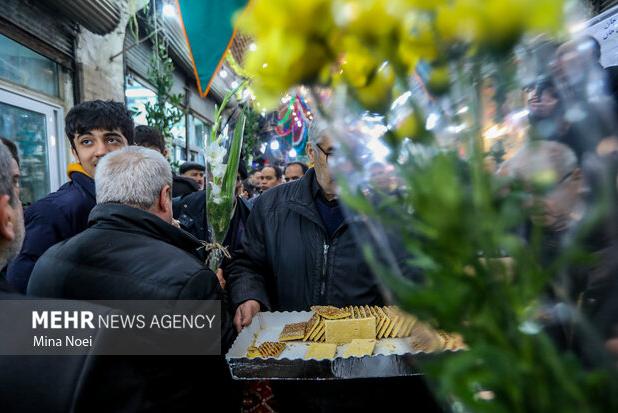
<point>26,20</point>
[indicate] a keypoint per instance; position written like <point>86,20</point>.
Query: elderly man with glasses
<point>298,250</point>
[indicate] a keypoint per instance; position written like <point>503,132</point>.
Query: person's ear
<point>165,199</point>
<point>310,153</point>
<point>7,229</point>
<point>165,153</point>
<point>74,152</point>
<point>578,179</point>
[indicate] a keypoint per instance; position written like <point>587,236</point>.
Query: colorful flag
<point>209,32</point>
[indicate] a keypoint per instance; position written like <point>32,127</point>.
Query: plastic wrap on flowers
<point>492,211</point>
<point>484,180</point>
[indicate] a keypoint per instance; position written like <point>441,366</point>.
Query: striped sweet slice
<point>385,324</point>
<point>399,321</point>
<point>407,327</point>
<point>312,324</point>
<point>393,321</point>
<point>271,349</point>
<point>318,331</point>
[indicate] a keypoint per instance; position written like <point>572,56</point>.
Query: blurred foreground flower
<point>421,94</point>
<point>312,41</point>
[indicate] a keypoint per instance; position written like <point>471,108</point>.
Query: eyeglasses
<point>546,189</point>
<point>559,183</point>
<point>324,152</point>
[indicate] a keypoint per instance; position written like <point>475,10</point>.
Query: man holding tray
<point>322,265</point>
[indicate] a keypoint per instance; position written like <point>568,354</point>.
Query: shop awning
<point>98,16</point>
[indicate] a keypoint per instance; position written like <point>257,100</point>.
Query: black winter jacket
<point>130,254</point>
<point>126,253</point>
<point>183,186</point>
<point>62,383</point>
<point>55,218</point>
<point>288,262</point>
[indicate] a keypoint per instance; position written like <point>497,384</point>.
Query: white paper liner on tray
<point>390,354</point>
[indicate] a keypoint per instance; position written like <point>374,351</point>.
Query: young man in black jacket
<point>94,129</point>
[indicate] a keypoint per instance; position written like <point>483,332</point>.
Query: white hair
<point>539,157</point>
<point>6,174</point>
<point>316,129</point>
<point>10,249</point>
<point>132,176</point>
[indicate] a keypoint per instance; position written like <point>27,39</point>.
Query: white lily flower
<point>218,170</point>
<point>215,153</point>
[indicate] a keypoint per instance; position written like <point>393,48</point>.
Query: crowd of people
<point>572,115</point>
<point>110,233</point>
<point>124,227</point>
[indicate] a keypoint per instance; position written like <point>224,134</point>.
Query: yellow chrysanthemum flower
<point>495,24</point>
<point>317,41</point>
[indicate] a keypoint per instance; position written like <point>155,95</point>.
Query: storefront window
<point>179,153</point>
<point>137,95</point>
<point>201,131</point>
<point>179,130</point>
<point>22,66</point>
<point>197,157</point>
<point>29,132</point>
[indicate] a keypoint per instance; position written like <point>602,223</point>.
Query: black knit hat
<point>187,166</point>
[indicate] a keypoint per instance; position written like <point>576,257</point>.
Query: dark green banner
<point>209,32</point>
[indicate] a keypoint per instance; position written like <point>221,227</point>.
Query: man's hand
<point>245,313</point>
<point>220,277</point>
<point>611,346</point>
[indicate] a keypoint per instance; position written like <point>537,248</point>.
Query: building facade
<point>56,53</point>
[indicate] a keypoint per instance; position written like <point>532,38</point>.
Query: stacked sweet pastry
<point>358,328</point>
<point>342,325</point>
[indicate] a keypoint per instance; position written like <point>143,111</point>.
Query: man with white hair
<point>298,250</point>
<point>131,251</point>
<point>551,171</point>
<point>81,382</point>
<point>11,212</point>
